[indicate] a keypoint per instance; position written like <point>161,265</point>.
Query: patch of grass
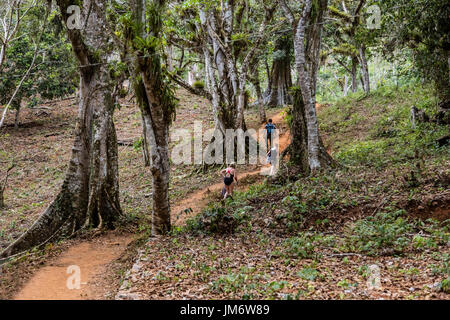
<point>249,284</point>
<point>370,153</point>
<point>375,130</point>
<point>443,268</point>
<point>308,273</point>
<point>385,230</point>
<point>306,245</point>
<point>393,231</point>
<point>217,219</point>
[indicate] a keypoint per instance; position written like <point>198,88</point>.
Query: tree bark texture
<point>156,101</point>
<point>307,41</point>
<point>364,68</point>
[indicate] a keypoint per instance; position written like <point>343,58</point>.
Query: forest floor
<point>317,238</point>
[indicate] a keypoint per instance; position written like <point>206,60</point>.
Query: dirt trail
<point>50,282</point>
<point>93,257</point>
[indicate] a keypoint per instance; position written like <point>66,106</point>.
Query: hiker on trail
<point>229,175</point>
<point>273,159</point>
<point>270,127</point>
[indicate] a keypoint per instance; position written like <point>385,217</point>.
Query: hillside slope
<point>325,236</point>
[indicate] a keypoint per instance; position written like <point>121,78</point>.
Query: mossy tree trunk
<point>157,103</point>
<point>298,149</point>
<point>354,74</point>
<point>217,28</point>
<point>307,42</point>
<point>364,68</point>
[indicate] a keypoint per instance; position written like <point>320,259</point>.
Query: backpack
<point>269,127</point>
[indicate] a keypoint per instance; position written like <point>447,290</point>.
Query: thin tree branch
<point>287,11</point>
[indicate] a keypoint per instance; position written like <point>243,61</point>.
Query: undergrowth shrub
<point>305,245</point>
<point>394,232</point>
<point>370,153</point>
<point>218,219</point>
<point>385,230</point>
<point>199,84</point>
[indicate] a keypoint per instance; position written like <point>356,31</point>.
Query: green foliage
<point>232,282</point>
<point>137,145</point>
<point>385,230</point>
<point>445,285</point>
<point>442,269</point>
<point>345,49</point>
<point>370,153</point>
<point>248,283</point>
<point>217,219</point>
<point>338,13</point>
<point>54,74</point>
<point>382,122</point>
<point>305,245</point>
<point>308,273</point>
<point>393,231</point>
<point>150,51</point>
<point>198,84</point>
<point>424,28</point>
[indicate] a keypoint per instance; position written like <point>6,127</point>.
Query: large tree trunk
<point>307,41</point>
<point>157,135</point>
<point>298,149</point>
<point>306,85</point>
<point>280,79</point>
<point>216,97</point>
<point>261,109</point>
<point>230,86</point>
<point>156,102</point>
<point>222,86</point>
<point>354,75</point>
<point>254,79</point>
<point>104,203</point>
<point>90,191</point>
